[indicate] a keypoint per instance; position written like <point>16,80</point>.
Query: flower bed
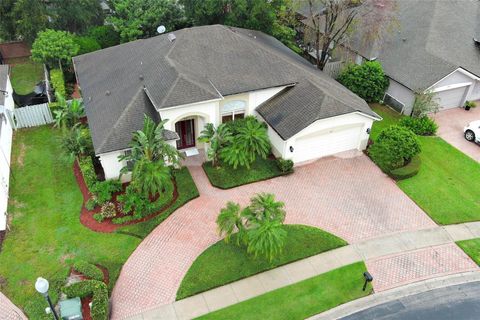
<point>107,225</point>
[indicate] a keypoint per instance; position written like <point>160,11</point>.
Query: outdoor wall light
<point>291,149</point>
<point>368,130</point>
<point>42,287</point>
<point>368,278</point>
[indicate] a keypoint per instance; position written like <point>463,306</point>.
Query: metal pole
<point>365,285</point>
<point>51,307</point>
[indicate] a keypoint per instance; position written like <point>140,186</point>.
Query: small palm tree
<point>152,177</point>
<point>230,221</point>
<point>68,113</point>
<point>217,138</point>
<point>264,207</point>
<point>267,239</point>
<point>77,142</point>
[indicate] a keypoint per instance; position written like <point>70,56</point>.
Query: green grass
<point>303,299</point>
<point>225,177</point>
<point>25,75</point>
<point>223,263</point>
<point>46,233</point>
<point>447,185</point>
<point>472,248</point>
<point>390,117</point>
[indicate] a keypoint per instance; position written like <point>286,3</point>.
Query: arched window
<point>232,110</point>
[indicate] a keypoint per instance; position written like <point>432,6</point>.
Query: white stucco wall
<point>402,94</point>
<point>112,166</point>
<point>6,133</point>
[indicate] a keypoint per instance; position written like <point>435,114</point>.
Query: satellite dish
<point>161,29</point>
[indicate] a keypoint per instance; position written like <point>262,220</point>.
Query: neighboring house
<point>12,51</point>
<point>435,48</point>
<point>6,106</point>
<point>214,74</point>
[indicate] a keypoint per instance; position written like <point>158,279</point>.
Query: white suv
<point>472,131</point>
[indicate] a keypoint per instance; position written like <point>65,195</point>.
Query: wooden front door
<point>186,132</point>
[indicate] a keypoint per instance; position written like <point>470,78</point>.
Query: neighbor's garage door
<point>451,98</point>
<point>326,143</point>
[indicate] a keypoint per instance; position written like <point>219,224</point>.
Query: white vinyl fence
<point>32,116</point>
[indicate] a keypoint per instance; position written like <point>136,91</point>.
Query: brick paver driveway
<point>349,197</point>
<point>451,123</point>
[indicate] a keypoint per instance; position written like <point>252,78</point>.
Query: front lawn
<point>223,263</point>
<point>225,177</point>
<point>46,232</point>
<point>25,74</point>
<point>471,248</point>
<point>303,299</point>
<point>447,185</point>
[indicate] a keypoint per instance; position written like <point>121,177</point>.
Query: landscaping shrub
<point>108,210</point>
<point>106,36</point>
<point>87,44</point>
<point>407,171</point>
<point>103,190</point>
<point>57,81</point>
<point>394,147</point>
<point>89,270</point>
<point>423,126</point>
<point>98,217</point>
<point>91,203</point>
<point>470,104</point>
<point>99,292</point>
<point>88,172</point>
<point>367,80</point>
<point>285,166</point>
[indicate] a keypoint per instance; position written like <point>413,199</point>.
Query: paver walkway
<point>349,197</point>
<point>9,311</point>
<point>451,123</point>
<point>393,261</point>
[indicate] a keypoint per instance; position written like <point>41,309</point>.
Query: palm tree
<point>230,221</point>
<point>68,113</point>
<point>250,141</point>
<point>78,141</point>
<point>267,239</point>
<point>152,177</point>
<point>217,138</point>
<point>264,207</point>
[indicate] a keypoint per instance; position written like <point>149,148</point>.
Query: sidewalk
<point>425,250</point>
<point>9,311</point>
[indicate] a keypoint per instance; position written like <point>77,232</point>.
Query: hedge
<point>407,171</point>
<point>99,292</point>
<point>88,172</point>
<point>57,81</point>
<point>89,270</point>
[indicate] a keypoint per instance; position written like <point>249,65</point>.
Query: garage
<point>325,143</point>
<point>451,98</point>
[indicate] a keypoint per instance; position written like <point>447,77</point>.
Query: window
<point>232,110</point>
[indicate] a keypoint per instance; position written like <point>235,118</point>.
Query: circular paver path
<point>349,197</point>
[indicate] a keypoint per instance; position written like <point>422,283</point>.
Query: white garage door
<point>326,143</point>
<point>451,98</point>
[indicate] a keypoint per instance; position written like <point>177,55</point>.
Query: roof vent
<point>107,93</point>
<point>141,77</point>
<point>171,37</point>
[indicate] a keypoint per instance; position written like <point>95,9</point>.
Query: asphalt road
<point>460,302</point>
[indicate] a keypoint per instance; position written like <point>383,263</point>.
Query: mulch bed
<point>107,226</point>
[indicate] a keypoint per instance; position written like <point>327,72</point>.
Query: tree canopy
<point>53,46</point>
<point>136,19</point>
<point>75,15</point>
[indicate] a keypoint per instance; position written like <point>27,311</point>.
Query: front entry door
<point>186,132</point>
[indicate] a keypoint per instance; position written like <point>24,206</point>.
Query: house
<point>214,74</point>
<point>435,48</point>
<point>6,106</point>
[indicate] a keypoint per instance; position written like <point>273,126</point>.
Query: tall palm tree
<point>264,207</point>
<point>230,221</point>
<point>267,239</point>
<point>217,138</point>
<point>152,177</point>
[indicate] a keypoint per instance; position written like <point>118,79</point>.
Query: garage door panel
<point>327,143</point>
<point>450,98</point>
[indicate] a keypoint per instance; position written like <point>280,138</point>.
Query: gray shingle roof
<point>435,37</point>
<point>203,63</point>
<point>3,81</point>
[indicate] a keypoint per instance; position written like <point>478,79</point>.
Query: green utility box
<point>71,309</point>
